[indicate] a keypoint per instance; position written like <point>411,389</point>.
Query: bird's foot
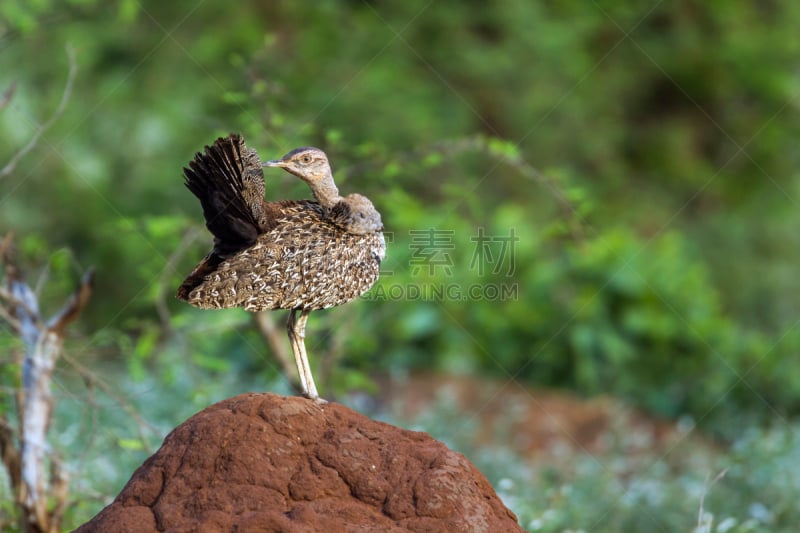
<point>317,399</point>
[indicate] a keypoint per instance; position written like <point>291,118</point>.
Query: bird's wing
<point>229,182</point>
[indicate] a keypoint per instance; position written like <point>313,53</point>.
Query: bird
<point>300,255</point>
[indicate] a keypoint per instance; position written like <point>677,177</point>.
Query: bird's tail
<point>198,275</point>
<point>229,182</point>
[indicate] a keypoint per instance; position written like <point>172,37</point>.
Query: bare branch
<point>59,490</point>
<point>74,306</point>
<point>335,353</point>
<point>268,330</point>
<point>706,489</point>
<point>5,315</point>
<point>7,249</point>
<point>65,96</point>
<point>9,453</point>
<point>481,144</point>
<point>25,310</point>
<point>526,170</point>
<point>26,456</point>
<point>161,299</point>
<point>92,379</point>
<point>6,300</point>
<point>8,95</point>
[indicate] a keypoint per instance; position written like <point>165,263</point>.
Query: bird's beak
<point>275,163</point>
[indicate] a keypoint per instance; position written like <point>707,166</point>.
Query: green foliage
<point>651,489</point>
<point>611,312</point>
<point>644,156</point>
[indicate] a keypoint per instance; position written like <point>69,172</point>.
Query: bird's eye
<point>306,159</point>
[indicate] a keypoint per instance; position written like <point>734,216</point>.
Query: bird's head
<point>307,163</point>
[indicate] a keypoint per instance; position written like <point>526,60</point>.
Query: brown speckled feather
<point>305,262</point>
<point>299,258</point>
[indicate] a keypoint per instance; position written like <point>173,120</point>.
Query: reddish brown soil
<point>536,424</point>
<point>262,462</point>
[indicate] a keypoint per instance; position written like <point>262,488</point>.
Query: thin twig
<point>9,453</point>
<point>77,301</point>
<point>335,353</point>
<point>8,95</point>
<point>12,321</point>
<point>268,330</point>
<point>92,379</point>
<point>481,144</point>
<point>65,96</point>
<point>169,268</point>
<point>528,171</point>
<point>41,498</point>
<point>707,488</point>
<point>13,306</point>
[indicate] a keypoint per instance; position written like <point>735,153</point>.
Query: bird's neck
<point>325,192</point>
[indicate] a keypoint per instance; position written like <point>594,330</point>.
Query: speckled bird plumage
<point>304,262</point>
<point>298,255</point>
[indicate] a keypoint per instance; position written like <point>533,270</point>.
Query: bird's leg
<point>300,333</point>
<point>297,333</point>
<point>298,354</point>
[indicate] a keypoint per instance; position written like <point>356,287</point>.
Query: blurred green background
<point>633,167</point>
